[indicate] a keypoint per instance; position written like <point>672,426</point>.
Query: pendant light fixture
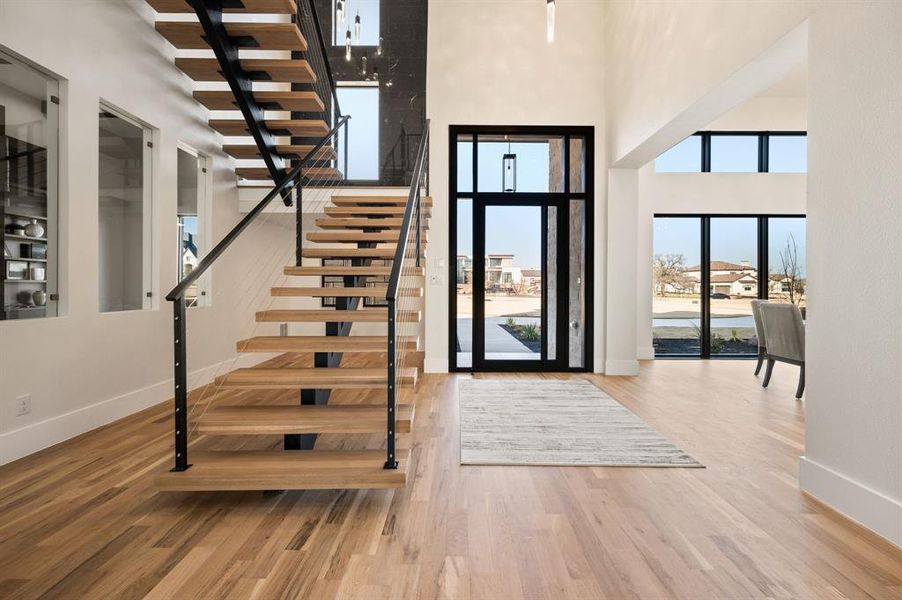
<point>348,46</point>
<point>363,66</point>
<point>509,170</point>
<point>357,28</point>
<point>549,31</point>
<point>379,47</point>
<point>376,73</point>
<point>340,12</point>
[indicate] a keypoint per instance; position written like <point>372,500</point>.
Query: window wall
<point>125,217</point>
<point>29,138</point>
<point>708,268</point>
<point>737,152</point>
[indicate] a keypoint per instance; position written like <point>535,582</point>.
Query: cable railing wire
<point>403,289</point>
<point>294,181</point>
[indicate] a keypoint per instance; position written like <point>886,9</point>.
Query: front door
<point>520,295</point>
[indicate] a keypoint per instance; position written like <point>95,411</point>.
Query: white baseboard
<point>37,436</point>
<point>645,353</point>
<point>435,365</point>
<point>621,367</point>
<point>878,512</point>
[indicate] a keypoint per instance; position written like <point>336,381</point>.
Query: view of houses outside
<point>734,281</point>
<point>188,255</point>
<point>513,306</point>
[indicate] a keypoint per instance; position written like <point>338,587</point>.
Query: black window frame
<point>763,259</point>
<point>763,146</point>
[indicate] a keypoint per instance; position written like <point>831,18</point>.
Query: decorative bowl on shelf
<point>34,229</point>
<point>39,298</point>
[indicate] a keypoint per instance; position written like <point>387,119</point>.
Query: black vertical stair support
<point>181,386</point>
<point>209,13</point>
<point>394,282</point>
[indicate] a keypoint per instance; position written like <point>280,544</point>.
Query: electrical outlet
<point>23,405</point>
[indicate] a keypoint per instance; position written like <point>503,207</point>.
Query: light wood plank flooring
<point>81,520</point>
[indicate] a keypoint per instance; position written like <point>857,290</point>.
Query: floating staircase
<point>244,410</point>
<point>280,125</point>
<point>282,405</point>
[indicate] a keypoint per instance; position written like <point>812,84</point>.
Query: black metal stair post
<point>181,385</point>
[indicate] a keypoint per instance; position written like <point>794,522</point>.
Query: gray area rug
<point>556,422</point>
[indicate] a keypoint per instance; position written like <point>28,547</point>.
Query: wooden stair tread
<point>268,100</point>
<point>261,173</point>
<point>314,343</point>
<point>383,253</point>
<point>315,378</point>
<point>295,127</point>
<point>329,418</point>
<point>344,211</point>
<point>294,151</point>
<point>258,69</point>
<point>247,6</point>
<point>369,315</point>
<point>255,173</point>
<point>189,35</point>
<point>359,223</point>
<point>283,470</point>
<point>365,200</point>
<point>374,291</point>
<point>352,236</point>
<point>339,270</point>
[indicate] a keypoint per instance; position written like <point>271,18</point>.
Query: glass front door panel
<point>512,326</point>
<point>733,285</point>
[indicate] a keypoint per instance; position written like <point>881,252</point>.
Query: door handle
<point>574,324</point>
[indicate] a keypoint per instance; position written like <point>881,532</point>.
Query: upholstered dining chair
<point>784,338</point>
<point>759,333</point>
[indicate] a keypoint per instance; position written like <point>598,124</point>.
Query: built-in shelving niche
<point>23,202</point>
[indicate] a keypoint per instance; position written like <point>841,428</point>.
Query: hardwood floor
<point>81,520</point>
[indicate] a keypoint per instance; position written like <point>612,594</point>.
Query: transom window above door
<point>518,163</point>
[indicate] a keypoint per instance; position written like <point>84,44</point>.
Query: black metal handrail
<point>177,295</point>
<point>412,216</point>
<point>287,183</point>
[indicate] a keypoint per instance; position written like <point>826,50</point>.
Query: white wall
<point>83,368</point>
<point>489,64</point>
<point>853,457</point>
